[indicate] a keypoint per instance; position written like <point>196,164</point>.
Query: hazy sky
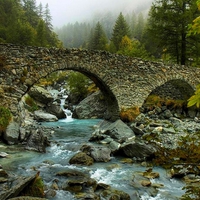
<point>64,11</point>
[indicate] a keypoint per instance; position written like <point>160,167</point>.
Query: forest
<point>169,32</point>
<point>23,22</point>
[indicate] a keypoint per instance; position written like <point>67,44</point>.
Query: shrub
<point>5,118</point>
<point>129,114</point>
<point>32,106</point>
<point>78,83</point>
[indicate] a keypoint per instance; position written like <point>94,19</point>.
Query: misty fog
<point>70,11</point>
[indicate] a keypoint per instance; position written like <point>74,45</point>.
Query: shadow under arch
<point>174,89</point>
<point>113,111</point>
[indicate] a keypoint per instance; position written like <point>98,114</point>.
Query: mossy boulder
<point>81,158</point>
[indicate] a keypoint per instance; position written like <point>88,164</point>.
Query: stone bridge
<point>125,81</point>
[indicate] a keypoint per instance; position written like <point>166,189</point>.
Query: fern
<point>195,99</point>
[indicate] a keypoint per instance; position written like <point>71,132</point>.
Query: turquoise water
<point>70,134</point>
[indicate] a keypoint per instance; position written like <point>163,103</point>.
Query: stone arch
<point>113,110</point>
<point>176,89</point>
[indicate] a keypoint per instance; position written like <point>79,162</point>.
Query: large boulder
<point>41,95</point>
<point>137,150</point>
<point>42,116</point>
<point>17,186</point>
<point>118,131</point>
<point>11,135</point>
<point>56,110</point>
<point>99,154</point>
<point>94,106</point>
<point>36,141</point>
<point>81,158</point>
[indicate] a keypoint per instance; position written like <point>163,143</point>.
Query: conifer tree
<point>98,38</point>
<point>168,23</point>
<point>120,29</point>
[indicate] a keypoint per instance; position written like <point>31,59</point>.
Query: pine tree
<point>98,38</point>
<point>41,34</point>
<point>30,9</point>
<point>120,29</point>
<point>139,28</point>
<point>48,17</point>
<point>168,23</point>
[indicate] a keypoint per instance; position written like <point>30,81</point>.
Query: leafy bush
<point>5,117</point>
<point>195,99</point>
<point>128,115</point>
<point>78,83</point>
<point>156,101</point>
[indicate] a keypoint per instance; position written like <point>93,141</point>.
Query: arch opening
<point>171,95</point>
<point>112,111</point>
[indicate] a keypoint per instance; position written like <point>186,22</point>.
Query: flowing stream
<point>70,134</point>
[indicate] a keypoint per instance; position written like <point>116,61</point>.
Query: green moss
<point>31,105</point>
<point>35,188</point>
<point>5,118</point>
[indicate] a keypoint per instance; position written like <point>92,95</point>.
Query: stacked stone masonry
<point>125,81</point>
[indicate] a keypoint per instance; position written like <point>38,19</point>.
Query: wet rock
<point>137,130</point>
<point>114,194</point>
<point>3,173</point>
<point>18,185</point>
<point>99,154</point>
<point>81,158</point>
<point>114,146</point>
<point>3,154</point>
<point>119,131</point>
<point>145,183</point>
<point>93,106</point>
<point>138,151</point>
<point>150,174</point>
<point>41,95</point>
<point>36,141</point>
<point>11,135</point>
<point>55,110</point>
<point>42,116</point>
<point>79,183</point>
<point>50,193</point>
<point>72,172</point>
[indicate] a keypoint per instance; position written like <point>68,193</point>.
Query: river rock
<point>94,106</point>
<point>41,95</point>
<point>3,155</point>
<point>17,186</point>
<point>42,116</point>
<point>99,154</point>
<point>55,110</point>
<point>3,173</point>
<point>11,135</point>
<point>81,158</point>
<point>119,131</point>
<point>36,141</point>
<point>111,193</point>
<point>138,150</point>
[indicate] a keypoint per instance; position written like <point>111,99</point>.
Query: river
<point>70,134</point>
